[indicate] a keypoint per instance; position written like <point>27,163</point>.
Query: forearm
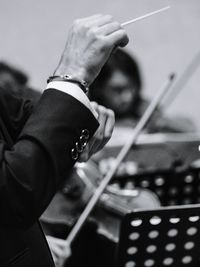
<point>41,158</point>
<point>59,127</point>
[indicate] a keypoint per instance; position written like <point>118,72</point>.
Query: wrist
<point>76,73</point>
<point>68,78</point>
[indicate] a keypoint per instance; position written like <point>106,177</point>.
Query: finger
<point>106,120</point>
<point>88,21</point>
<point>110,122</point>
<point>85,155</point>
<point>60,242</point>
<point>102,136</point>
<point>102,111</point>
<point>93,17</point>
<point>94,106</point>
<point>56,250</point>
<point>55,258</point>
<point>57,241</point>
<point>94,21</point>
<point>99,135</point>
<point>92,146</point>
<point>67,252</point>
<point>109,28</point>
<point>100,21</point>
<point>117,38</point>
<point>109,126</point>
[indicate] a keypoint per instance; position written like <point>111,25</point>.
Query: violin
<point>114,203</point>
<point>168,152</point>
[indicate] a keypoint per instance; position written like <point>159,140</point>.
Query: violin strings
<point>144,16</point>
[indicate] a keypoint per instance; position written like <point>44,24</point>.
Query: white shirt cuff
<point>75,91</point>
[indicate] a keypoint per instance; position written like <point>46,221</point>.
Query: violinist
<point>39,147</point>
<point>119,87</point>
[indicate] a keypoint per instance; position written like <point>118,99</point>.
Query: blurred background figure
<point>17,82</point>
<point>119,87</point>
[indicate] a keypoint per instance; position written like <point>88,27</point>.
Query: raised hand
<point>89,44</point>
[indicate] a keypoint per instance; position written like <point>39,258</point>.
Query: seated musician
<point>119,87</point>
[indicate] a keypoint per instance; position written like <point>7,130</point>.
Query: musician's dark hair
<point>19,76</point>
<point>21,87</point>
<point>122,61</point>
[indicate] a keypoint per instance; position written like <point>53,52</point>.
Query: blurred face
<point>8,80</point>
<point>119,93</point>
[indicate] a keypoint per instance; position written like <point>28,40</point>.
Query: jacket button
<point>85,133</point>
<point>74,154</point>
<point>83,141</point>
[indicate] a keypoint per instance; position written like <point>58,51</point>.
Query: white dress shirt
<point>75,91</point>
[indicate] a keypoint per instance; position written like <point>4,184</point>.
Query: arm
<point>36,165</point>
<point>33,169</point>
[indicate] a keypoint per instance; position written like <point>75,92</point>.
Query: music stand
<point>172,187</point>
<point>168,236</point>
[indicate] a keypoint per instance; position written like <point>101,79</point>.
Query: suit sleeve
<point>42,157</point>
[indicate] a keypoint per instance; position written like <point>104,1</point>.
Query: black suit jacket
<point>34,167</point>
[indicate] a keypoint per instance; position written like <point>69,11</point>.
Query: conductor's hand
<point>89,44</point>
<point>106,120</point>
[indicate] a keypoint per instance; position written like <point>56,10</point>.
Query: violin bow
<point>182,81</point>
<point>122,154</point>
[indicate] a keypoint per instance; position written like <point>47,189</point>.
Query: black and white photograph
<point>100,133</point>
